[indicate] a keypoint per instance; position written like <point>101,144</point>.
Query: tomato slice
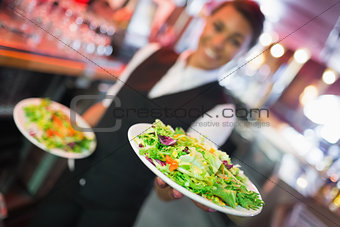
<point>173,164</point>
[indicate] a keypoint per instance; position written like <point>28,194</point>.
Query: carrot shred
<point>223,177</point>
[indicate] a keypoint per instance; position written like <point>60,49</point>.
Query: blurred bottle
<point>327,192</point>
<point>335,204</point>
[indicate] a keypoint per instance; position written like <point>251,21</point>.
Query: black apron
<point>115,177</point>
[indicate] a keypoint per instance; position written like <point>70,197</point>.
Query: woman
<point>109,188</point>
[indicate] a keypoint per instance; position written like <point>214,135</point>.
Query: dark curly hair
<point>250,10</point>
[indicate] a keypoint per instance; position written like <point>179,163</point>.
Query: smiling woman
<point>116,182</point>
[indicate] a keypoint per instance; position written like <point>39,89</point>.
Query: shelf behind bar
<point>46,57</point>
<point>55,65</point>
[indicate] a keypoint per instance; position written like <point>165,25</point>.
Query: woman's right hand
<point>167,193</point>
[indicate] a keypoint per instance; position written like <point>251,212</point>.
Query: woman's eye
<point>218,27</point>
<point>235,42</point>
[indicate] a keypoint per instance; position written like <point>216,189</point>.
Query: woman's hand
<point>167,193</point>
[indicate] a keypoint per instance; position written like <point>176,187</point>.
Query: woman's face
<point>226,34</point>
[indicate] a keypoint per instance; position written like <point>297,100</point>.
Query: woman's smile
<point>210,54</point>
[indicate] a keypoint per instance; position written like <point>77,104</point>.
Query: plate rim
<point>239,211</point>
<point>18,112</point>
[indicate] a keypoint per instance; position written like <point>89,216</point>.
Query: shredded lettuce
<point>53,128</point>
<point>197,166</point>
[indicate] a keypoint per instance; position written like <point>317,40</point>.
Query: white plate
<point>23,125</point>
<point>137,129</point>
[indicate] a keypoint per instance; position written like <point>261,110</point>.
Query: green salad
<point>197,166</point>
<point>53,128</point>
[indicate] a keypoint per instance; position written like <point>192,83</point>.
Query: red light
<point>3,212</point>
<point>82,1</point>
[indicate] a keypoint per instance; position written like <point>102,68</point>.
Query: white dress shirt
<point>181,77</point>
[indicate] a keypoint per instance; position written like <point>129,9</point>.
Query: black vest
<point>117,178</point>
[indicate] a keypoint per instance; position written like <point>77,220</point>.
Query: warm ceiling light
<point>331,133</point>
<point>277,50</point>
<point>256,62</point>
<point>302,182</point>
<point>302,55</point>
<point>271,9</point>
<point>309,93</point>
<point>329,76</point>
<point>266,39</point>
<point>325,110</point>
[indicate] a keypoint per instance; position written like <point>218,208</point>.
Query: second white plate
<point>140,128</point>
<point>21,122</point>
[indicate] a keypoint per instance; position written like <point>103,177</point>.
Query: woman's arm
<point>93,115</point>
